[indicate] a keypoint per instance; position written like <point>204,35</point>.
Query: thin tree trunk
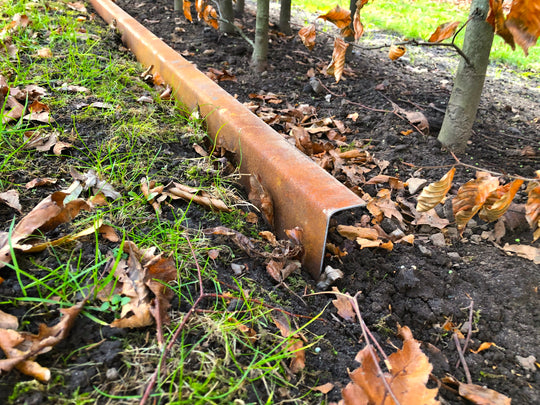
<point>352,7</point>
<point>285,17</point>
<point>469,81</point>
<point>260,50</point>
<point>239,9</point>
<point>178,5</point>
<point>226,13</point>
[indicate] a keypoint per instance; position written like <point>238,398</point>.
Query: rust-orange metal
<point>303,194</point>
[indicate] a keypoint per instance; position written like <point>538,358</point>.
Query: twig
<point>462,357</point>
<point>168,348</point>
<point>469,332</point>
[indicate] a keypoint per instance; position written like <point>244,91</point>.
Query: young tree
<point>469,81</point>
<point>239,8</point>
<point>285,17</point>
<point>260,47</point>
<point>226,12</point>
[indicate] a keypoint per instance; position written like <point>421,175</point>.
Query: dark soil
<point>419,286</point>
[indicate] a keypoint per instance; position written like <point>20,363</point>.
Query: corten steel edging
<point>303,194</point>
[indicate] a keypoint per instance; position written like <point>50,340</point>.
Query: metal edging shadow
<point>303,194</point>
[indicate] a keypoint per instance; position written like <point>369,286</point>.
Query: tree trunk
<point>226,13</point>
<point>469,81</point>
<point>285,17</point>
<point>260,49</point>
<point>239,9</point>
<point>178,5</point>
<point>352,7</point>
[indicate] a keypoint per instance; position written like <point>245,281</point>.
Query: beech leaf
<point>435,192</point>
<point>532,208</point>
<point>523,22</point>
<point>444,31</point>
<point>339,16</point>
<point>338,59</point>
<point>344,305</point>
<point>407,377</point>
<point>357,23</point>
<point>187,10</point>
<point>499,200</point>
<point>307,35</point>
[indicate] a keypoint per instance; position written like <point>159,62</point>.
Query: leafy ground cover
<point>251,339</point>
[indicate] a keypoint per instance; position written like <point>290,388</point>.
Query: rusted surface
<point>303,194</point>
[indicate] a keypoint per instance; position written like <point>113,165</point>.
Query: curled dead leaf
<point>339,16</point>
<point>434,193</point>
<point>444,31</point>
<point>396,52</point>
<point>338,59</point>
<point>307,34</point>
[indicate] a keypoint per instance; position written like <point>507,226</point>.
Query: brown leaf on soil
<point>325,388</point>
<point>523,22</point>
<point>435,192</point>
<point>483,346</point>
<point>339,16</point>
<point>39,182</point>
<point>416,118</point>
<point>77,6</point>
<point>308,34</point>
<point>279,270</point>
<point>499,200</point>
<point>471,197</point>
<point>261,198</point>
<point>187,10</point>
<point>353,232</point>
<point>11,199</point>
<point>159,273</point>
<point>21,348</point>
<point>298,362</point>
<point>393,182</point>
<point>14,110</point>
<point>368,243</point>
<point>382,206</point>
<point>42,142</point>
<point>8,321</point>
<point>44,53</point>
<point>407,377</point>
<point>476,394</point>
<point>344,305</point>
<point>527,252</point>
<point>430,218</point>
<point>218,75</point>
<point>444,31</point>
<point>303,140</point>
<point>47,215</point>
<point>338,59</point>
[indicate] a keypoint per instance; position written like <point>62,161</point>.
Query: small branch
<point>462,357</point>
<point>469,332</point>
<point>167,349</point>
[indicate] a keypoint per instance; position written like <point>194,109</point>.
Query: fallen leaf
<point>325,388</point>
<point>8,321</point>
<point>45,53</point>
<point>483,346</point>
<point>328,277</point>
<point>353,232</point>
<point>40,182</point>
<point>525,251</point>
<point>476,394</point>
<point>198,196</point>
<point>430,218</point>
<point>344,305</point>
<point>77,6</point>
<point>261,198</point>
<point>396,51</point>
<point>11,199</point>
<point>409,371</point>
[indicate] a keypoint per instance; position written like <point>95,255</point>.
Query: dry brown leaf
<point>325,388</point>
<point>357,23</point>
<point>14,110</point>
<point>367,243</point>
<point>159,273</point>
<point>39,182</point>
<point>60,146</point>
<point>47,215</point>
<point>298,361</point>
<point>407,377</point>
<point>210,17</point>
<point>187,10</point>
<point>499,200</point>
<point>435,192</point>
<point>344,305</point>
<point>45,53</point>
<point>471,197</point>
<point>476,394</point>
<point>483,346</point>
<point>532,208</point>
<point>261,198</point>
<point>497,19</point>
<point>11,199</point>
<point>339,16</point>
<point>416,118</point>
<point>308,34</point>
<point>8,321</point>
<point>338,59</point>
<point>77,6</point>
<point>198,196</point>
<point>527,252</point>
<point>396,51</point>
<point>382,206</point>
<point>430,218</point>
<point>523,22</point>
<point>444,31</point>
<point>353,232</point>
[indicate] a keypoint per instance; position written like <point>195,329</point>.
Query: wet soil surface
<point>422,286</point>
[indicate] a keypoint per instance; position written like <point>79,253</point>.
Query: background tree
<point>285,17</point>
<point>260,46</point>
<point>239,8</point>
<point>226,12</point>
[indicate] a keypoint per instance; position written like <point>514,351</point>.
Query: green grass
<point>214,361</point>
<point>418,19</point>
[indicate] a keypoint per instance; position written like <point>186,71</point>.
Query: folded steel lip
<point>304,195</point>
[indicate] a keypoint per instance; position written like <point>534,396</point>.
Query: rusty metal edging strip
<point>303,194</point>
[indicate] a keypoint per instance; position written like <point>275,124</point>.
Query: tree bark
<point>178,5</point>
<point>260,49</point>
<point>239,9</point>
<point>285,17</point>
<point>226,13</point>
<point>350,39</point>
<point>469,81</point>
